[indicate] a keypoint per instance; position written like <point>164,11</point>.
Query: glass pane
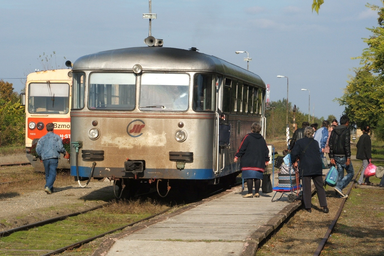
<point>240,98</point>
<point>245,99</point>
<point>261,103</point>
<point>203,93</point>
<point>164,92</point>
<point>250,100</point>
<point>227,107</point>
<point>112,91</point>
<point>52,98</point>
<point>78,91</point>
<point>256,104</point>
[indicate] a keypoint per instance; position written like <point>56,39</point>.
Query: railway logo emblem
<point>134,128</point>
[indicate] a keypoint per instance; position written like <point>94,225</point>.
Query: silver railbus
<point>146,115</point>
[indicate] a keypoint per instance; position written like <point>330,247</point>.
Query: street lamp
<point>309,103</point>
<point>286,119</point>
<point>247,59</point>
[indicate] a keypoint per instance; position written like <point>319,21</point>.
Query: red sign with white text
<point>62,127</point>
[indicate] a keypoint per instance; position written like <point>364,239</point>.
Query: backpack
<point>332,176</point>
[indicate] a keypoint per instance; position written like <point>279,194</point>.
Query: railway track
<point>15,164</point>
<point>302,222</point>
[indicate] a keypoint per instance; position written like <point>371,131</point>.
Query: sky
<point>283,37</point>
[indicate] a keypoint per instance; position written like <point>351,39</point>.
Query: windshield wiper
<point>154,106</point>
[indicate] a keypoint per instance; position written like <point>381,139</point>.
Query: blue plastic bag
<point>332,176</point>
<point>287,160</point>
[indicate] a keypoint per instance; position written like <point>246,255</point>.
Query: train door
<point>216,141</point>
<point>222,122</point>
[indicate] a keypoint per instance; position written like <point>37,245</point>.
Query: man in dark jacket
<point>340,153</point>
<point>298,134</point>
<point>364,152</point>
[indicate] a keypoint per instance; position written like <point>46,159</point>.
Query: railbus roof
<point>163,59</point>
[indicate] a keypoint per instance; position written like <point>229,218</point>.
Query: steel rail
<point>15,164</point>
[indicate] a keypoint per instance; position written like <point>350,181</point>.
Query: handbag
<point>370,170</point>
<point>266,184</point>
<point>324,162</point>
<point>332,176</point>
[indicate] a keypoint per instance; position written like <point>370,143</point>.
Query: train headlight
<point>93,133</point>
<point>32,125</point>
<point>181,136</point>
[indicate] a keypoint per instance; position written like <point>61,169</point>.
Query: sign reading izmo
<point>134,128</point>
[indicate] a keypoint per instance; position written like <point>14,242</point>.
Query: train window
<point>112,91</point>
<point>48,98</point>
<point>203,93</point>
<point>261,102</point>
<point>250,100</point>
<point>78,91</point>
<point>234,98</point>
<point>164,92</point>
<point>227,106</point>
<point>245,99</point>
<point>256,101</point>
<point>240,90</point>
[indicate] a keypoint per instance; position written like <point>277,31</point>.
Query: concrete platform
<point>227,225</point>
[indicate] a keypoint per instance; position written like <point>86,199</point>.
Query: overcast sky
<point>283,37</point>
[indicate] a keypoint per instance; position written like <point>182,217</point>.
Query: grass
<point>8,150</point>
<point>359,230</point>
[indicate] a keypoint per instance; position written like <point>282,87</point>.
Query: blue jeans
<point>50,166</point>
<point>342,181</point>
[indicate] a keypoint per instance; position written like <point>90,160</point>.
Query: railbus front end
<point>47,95</point>
<point>158,118</point>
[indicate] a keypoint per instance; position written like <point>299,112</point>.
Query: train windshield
<point>164,92</point>
<point>48,98</point>
<point>112,91</point>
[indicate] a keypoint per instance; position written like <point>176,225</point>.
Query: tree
<point>6,90</point>
<point>316,5</point>
<point>331,117</point>
<point>12,116</point>
<point>363,96</point>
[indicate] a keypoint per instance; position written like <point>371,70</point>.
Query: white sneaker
<point>340,192</point>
